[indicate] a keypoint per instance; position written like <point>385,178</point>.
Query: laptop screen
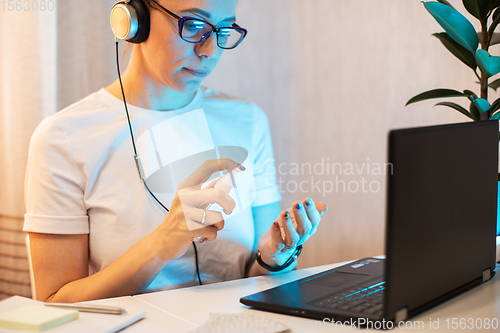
<point>498,211</point>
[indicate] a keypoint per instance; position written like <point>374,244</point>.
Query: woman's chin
<point>189,87</point>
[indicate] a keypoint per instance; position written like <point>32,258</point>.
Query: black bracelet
<point>287,263</point>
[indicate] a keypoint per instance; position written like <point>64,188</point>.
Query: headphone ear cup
<point>143,21</point>
<point>130,21</point>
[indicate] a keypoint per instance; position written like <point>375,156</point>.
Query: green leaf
<point>456,107</point>
<point>478,8</point>
<point>495,38</point>
<point>455,24</point>
<point>476,114</point>
<point>496,21</point>
<point>494,107</point>
<point>445,2</point>
<point>464,55</point>
<point>482,104</point>
<point>495,84</point>
<point>470,93</point>
<point>496,14</point>
<point>489,65</point>
<point>435,93</point>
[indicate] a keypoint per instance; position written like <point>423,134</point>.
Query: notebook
<point>85,322</point>
<point>440,233</point>
<point>36,318</point>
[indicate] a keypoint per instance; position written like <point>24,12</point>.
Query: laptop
<point>498,222</point>
<point>441,220</point>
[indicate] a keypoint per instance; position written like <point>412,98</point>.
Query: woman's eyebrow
<point>207,14</point>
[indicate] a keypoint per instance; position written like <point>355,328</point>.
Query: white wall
<point>356,63</point>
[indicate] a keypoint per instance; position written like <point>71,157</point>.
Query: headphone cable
<point>138,159</point>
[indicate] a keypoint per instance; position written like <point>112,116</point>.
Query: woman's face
<point>175,63</point>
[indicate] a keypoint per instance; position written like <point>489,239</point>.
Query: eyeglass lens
<point>196,31</point>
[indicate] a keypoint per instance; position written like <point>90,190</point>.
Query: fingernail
<point>298,206</point>
<point>241,167</point>
<point>309,202</point>
<point>286,215</point>
<point>326,208</point>
<point>276,225</point>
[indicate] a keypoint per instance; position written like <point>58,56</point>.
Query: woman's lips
<point>197,72</point>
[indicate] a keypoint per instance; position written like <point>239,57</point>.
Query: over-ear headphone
<point>130,20</point>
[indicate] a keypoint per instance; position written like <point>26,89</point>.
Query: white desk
<point>182,310</point>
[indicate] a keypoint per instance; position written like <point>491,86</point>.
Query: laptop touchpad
<point>335,279</point>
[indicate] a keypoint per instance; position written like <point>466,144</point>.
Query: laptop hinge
<point>486,274</point>
<point>401,315</point>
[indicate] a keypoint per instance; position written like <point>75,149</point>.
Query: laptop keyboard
<point>364,299</point>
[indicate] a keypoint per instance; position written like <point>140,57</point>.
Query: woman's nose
<point>208,48</point>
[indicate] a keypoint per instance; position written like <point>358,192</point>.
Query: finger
<point>321,207</point>
<point>276,237</point>
<point>214,195</point>
<point>212,218</point>
<point>208,233</point>
<point>291,235</point>
<point>302,223</point>
<point>219,225</point>
<point>212,183</point>
<point>198,218</point>
<point>312,213</point>
<point>203,173</point>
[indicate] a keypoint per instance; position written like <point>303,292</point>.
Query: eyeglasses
<point>194,30</point>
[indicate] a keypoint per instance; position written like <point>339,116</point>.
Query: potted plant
<point>472,49</point>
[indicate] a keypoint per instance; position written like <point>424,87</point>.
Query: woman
<point>96,232</point>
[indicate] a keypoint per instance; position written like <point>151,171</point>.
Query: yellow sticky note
<point>36,317</point>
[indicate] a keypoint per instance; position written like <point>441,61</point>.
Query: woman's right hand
<point>183,221</point>
<point>61,262</point>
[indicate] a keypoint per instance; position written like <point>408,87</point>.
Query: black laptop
<point>440,233</point>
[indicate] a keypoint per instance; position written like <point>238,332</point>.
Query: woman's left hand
<point>292,228</point>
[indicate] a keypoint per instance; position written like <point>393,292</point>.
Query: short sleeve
<point>266,187</point>
<point>54,194</point>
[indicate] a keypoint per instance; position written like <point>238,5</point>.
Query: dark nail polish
<point>276,225</point>
<point>298,206</point>
<point>309,202</point>
<point>241,167</point>
<point>286,215</point>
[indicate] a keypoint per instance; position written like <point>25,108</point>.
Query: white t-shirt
<point>82,178</point>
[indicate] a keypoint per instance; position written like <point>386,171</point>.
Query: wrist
<point>259,270</point>
<point>275,267</point>
<point>156,246</point>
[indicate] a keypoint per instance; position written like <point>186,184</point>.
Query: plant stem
<point>484,45</point>
<point>484,86</point>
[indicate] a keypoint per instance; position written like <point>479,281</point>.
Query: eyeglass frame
<point>180,23</point>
